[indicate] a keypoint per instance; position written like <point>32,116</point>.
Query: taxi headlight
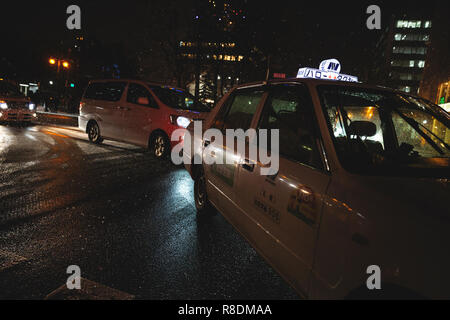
<point>183,122</point>
<point>3,105</point>
<point>31,106</point>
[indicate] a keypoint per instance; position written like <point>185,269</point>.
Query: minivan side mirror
<point>362,129</point>
<point>143,100</point>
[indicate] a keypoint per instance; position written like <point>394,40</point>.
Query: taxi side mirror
<point>362,129</point>
<point>143,100</point>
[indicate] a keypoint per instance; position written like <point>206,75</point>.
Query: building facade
<point>409,41</point>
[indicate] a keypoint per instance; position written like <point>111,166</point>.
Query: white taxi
<point>363,184</point>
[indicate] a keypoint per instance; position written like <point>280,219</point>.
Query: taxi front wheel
<point>201,196</point>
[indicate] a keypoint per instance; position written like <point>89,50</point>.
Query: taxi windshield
<point>178,99</point>
<point>382,132</point>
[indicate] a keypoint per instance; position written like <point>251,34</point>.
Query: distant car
<point>14,106</point>
<point>137,112</point>
<point>363,182</point>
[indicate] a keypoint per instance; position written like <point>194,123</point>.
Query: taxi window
<point>380,132</point>
<point>136,91</point>
<point>238,111</point>
<point>289,109</point>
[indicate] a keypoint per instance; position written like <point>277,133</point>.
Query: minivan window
<point>290,110</point>
<point>178,99</point>
<point>107,91</point>
<point>136,91</point>
<point>238,111</point>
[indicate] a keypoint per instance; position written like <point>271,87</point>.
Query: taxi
<point>137,112</point>
<point>363,181</point>
<point>14,106</point>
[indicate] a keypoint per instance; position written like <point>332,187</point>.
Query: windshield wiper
<point>416,126</point>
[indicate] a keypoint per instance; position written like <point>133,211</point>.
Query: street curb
<point>66,119</point>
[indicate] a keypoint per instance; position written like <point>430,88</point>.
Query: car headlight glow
<point>183,122</point>
<point>3,105</point>
<point>31,106</point>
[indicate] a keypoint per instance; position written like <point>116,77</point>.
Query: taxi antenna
<point>268,68</point>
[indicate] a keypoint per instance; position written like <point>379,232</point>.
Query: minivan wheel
<point>94,133</point>
<point>160,145</point>
<point>202,203</point>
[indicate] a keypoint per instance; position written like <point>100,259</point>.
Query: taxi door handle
<point>248,166</point>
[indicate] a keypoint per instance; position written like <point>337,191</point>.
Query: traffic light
<point>72,85</point>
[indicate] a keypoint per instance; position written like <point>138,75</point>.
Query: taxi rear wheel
<point>93,132</point>
<point>201,196</point>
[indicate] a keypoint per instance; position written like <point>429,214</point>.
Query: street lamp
<point>65,64</point>
<point>60,63</point>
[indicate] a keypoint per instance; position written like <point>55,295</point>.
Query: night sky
<point>31,30</point>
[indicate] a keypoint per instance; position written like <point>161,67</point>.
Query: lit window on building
<point>427,24</point>
<point>405,24</point>
<point>411,37</point>
<point>408,63</point>
<point>410,50</point>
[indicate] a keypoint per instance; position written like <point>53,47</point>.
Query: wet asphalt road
<point>127,220</point>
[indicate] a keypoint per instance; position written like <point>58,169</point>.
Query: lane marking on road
<point>90,290</point>
<point>9,259</point>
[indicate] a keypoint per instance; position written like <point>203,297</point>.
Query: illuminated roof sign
<point>329,70</point>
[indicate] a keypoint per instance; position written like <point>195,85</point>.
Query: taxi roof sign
<point>329,70</point>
